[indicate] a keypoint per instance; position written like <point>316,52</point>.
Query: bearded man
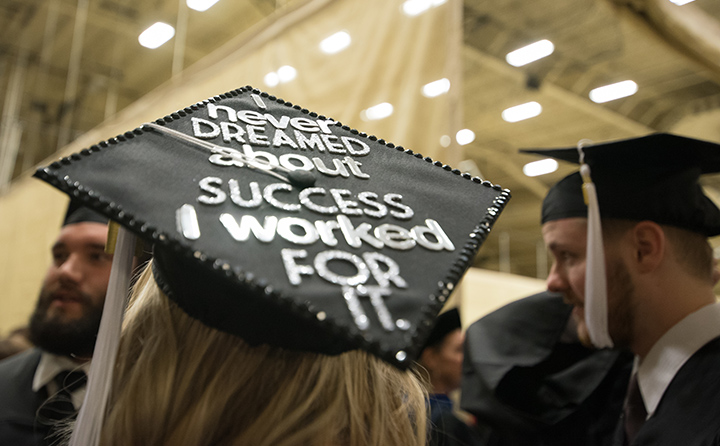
<point>42,387</point>
<point>629,236</point>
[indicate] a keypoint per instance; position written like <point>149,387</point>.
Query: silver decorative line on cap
<point>258,101</point>
<point>187,223</point>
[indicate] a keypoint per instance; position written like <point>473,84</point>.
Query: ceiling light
<point>436,88</point>
<point>379,111</point>
<point>272,79</point>
<point>541,167</point>
<point>200,5</point>
<point>335,43</point>
<point>465,136</point>
<point>682,2</point>
<point>286,73</point>
<point>445,141</point>
<point>530,53</point>
<point>156,35</point>
<point>416,7</point>
<point>613,91</point>
<point>522,112</point>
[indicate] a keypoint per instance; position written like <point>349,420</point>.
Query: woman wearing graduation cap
<point>285,303</point>
<point>629,237</point>
<point>180,382</point>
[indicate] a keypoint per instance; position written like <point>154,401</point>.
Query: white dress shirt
<point>672,350</point>
<point>50,365</point>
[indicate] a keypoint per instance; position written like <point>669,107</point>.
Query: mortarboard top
<point>654,177</point>
<point>284,227</point>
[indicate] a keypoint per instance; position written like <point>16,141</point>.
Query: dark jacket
<point>689,410</point>
<point>18,402</point>
<point>446,429</point>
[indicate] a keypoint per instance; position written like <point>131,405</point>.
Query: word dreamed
<point>298,133</point>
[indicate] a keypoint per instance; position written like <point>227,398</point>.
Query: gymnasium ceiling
<point>672,53</point>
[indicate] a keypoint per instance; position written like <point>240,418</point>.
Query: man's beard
<point>56,334</point>
<point>621,304</point>
<point>620,308</point>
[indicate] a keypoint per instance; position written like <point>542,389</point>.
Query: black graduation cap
<point>653,177</point>
<point>285,227</point>
<point>445,323</point>
<point>77,213</point>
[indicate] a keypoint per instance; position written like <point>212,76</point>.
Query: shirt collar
<point>50,365</point>
<point>672,350</point>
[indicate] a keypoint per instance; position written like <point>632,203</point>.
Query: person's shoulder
<point>687,413</point>
<point>707,357</point>
<point>693,427</point>
<point>713,346</point>
<point>16,377</point>
<point>702,372</point>
<point>19,364</point>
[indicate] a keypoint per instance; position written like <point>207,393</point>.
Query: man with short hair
<point>636,265</point>
<point>42,386</point>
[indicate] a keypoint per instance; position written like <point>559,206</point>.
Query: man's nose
<point>556,281</point>
<point>71,269</point>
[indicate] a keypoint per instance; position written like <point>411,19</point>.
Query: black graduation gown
<point>446,429</point>
<point>529,388</point>
<point>18,402</point>
<point>689,410</point>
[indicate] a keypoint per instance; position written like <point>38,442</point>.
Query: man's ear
<point>428,358</point>
<point>649,244</point>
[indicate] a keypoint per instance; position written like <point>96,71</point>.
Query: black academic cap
<point>284,227</point>
<point>77,213</point>
<point>654,177</point>
<point>445,323</point>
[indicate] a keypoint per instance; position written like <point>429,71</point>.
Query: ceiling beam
<point>570,99</point>
<point>558,93</point>
<point>690,29</point>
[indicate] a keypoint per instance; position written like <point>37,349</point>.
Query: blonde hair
<point>179,382</point>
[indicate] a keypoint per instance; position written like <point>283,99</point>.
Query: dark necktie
<point>59,407</point>
<point>634,410</point>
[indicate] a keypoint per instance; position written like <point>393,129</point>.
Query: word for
<point>382,268</point>
<point>365,266</point>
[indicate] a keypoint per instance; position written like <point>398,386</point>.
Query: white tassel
<point>92,412</point>
<point>596,307</point>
